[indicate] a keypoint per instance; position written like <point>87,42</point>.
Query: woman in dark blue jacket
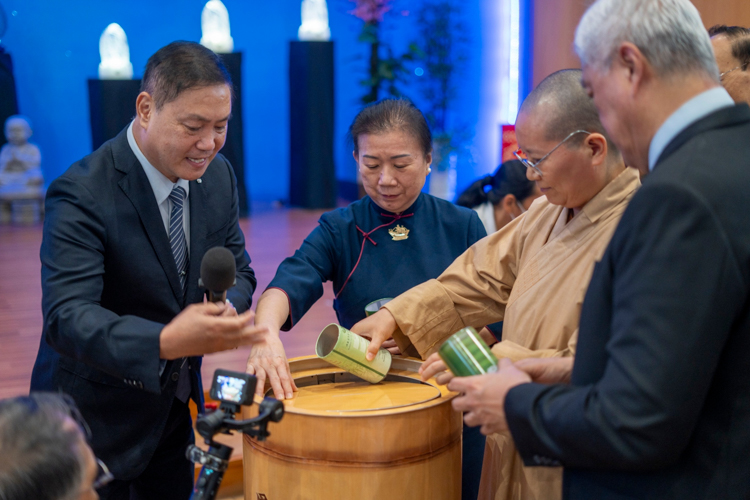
<point>394,238</point>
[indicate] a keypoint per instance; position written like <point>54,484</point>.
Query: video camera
<point>233,390</point>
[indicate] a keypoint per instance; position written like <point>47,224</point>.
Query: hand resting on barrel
<point>267,360</point>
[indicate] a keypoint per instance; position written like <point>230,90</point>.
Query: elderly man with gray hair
<point>44,454</point>
<point>657,405</point>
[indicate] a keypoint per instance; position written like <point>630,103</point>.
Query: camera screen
<point>230,388</point>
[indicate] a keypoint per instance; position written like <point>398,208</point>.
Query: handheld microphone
<point>218,273</point>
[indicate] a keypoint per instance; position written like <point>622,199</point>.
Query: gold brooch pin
<point>399,233</point>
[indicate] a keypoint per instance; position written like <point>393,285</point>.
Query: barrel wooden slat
<point>406,452</point>
<point>437,478</point>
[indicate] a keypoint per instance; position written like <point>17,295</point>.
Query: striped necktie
<point>179,249</point>
<point>177,233</point>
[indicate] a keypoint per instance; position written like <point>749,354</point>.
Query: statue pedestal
<point>234,149</point>
<point>9,103</point>
<point>111,107</point>
<point>312,176</point>
<point>21,206</point>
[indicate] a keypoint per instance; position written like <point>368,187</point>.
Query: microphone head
<point>218,269</point>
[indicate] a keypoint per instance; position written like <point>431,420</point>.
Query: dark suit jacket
<point>659,404</point>
<point>110,284</point>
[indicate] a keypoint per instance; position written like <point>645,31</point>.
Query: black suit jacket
<point>110,284</point>
<point>659,404</point>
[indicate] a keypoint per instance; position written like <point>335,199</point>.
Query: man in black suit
<point>126,228</point>
<point>658,402</point>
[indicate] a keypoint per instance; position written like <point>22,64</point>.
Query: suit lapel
<point>136,187</point>
<point>725,117</point>
<point>194,294</point>
<point>198,232</point>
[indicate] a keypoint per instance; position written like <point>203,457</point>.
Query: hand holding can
<point>347,350</point>
<point>466,354</point>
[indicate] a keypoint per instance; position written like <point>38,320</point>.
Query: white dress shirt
<point>162,187</point>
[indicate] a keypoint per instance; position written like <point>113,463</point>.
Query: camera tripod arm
<point>270,410</point>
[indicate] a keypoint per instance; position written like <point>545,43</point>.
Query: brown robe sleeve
<point>516,352</point>
<point>473,291</point>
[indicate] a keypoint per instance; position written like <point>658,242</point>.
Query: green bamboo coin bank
<point>347,350</point>
<point>466,354</point>
<point>375,306</point>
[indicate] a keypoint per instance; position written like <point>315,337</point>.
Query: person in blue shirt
<point>394,238</point>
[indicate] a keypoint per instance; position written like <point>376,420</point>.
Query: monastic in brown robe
<point>532,274</point>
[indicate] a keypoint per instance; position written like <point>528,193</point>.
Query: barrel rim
<point>407,367</point>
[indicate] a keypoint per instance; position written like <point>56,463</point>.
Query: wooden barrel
<point>344,439</point>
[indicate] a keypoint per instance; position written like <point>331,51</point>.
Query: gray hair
<point>669,33</point>
<point>41,452</point>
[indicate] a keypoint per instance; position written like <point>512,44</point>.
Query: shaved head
<point>561,101</point>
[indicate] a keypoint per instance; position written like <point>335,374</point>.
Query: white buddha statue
<point>20,160</point>
<point>314,21</point>
<point>215,28</point>
<point>115,54</point>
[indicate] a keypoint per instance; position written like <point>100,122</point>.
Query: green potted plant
<point>384,68</point>
<point>441,52</point>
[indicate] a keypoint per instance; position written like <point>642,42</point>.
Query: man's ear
<point>144,108</point>
<point>597,146</point>
<point>634,64</point>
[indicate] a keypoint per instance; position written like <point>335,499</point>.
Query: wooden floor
<point>272,234</point>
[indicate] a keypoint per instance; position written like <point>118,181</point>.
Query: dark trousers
<point>471,465</point>
<point>169,475</point>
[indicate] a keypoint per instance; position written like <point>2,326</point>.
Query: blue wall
<point>55,49</point>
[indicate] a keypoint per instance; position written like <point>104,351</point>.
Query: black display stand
<point>111,108</point>
<point>312,176</point>
<point>234,146</point>
<point>8,98</point>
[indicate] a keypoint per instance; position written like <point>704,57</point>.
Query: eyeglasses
<point>743,66</point>
<point>103,476</point>
<point>534,165</point>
